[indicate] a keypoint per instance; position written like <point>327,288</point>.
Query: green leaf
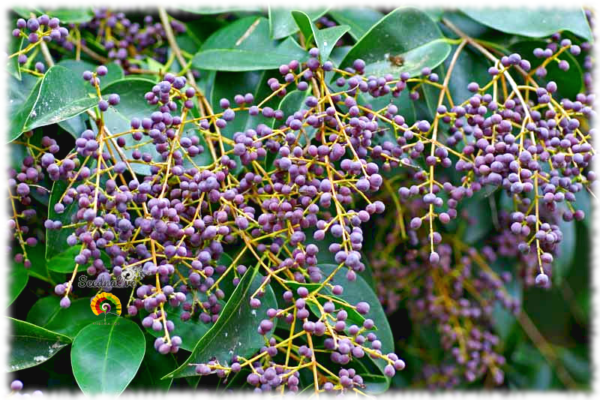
<point>533,22</point>
<point>239,60</point>
<point>58,96</point>
<point>244,46</point>
<point>154,366</point>
<point>325,39</point>
<point>357,291</point>
<point>26,12</point>
<point>360,20</point>
<point>114,73</point>
<point>72,15</point>
<point>17,280</point>
<point>132,105</point>
<point>67,321</point>
<point>469,67</point>
<point>56,240</point>
<point>281,21</point>
<point>19,88</point>
<point>246,33</point>
<point>291,103</point>
<point>76,125</point>
<point>13,66</point>
<point>106,356</point>
<point>576,365</point>
<point>31,345</point>
<point>235,332</point>
<point>218,10</point>
<point>43,311</point>
<point>189,331</point>
<point>21,97</point>
<point>566,255</point>
<point>504,320</point>
<point>405,32</point>
<point>569,83</point>
<point>38,265</point>
<point>64,262</point>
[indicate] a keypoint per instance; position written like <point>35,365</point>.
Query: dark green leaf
<point>244,46</point>
<point>70,321</point>
<point>360,20</point>
<point>235,332</point>
<point>106,356</point>
<point>72,15</point>
<point>218,10</point>
<point>281,22</point>
<point>44,310</point>
<point>533,22</point>
<point>154,366</point>
<point>14,68</point>
<point>132,105</point>
<point>60,95</point>
<point>56,240</point>
<point>564,260</point>
<point>17,280</point>
<point>357,291</point>
<point>325,39</point>
<point>114,73</point>
<point>189,331</point>
<point>31,345</point>
<point>239,60</point>
<point>291,103</point>
<point>407,33</point>
<point>569,83</point>
<point>76,125</point>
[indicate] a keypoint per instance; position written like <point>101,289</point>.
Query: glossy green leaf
<point>106,356</point>
<point>218,10</point>
<point>114,73</point>
<point>64,262</point>
<point>67,321</point>
<point>18,94</point>
<point>469,67</point>
<point>244,46</point>
<point>360,20</point>
<point>76,125</point>
<point>154,366</point>
<point>189,331</point>
<point>357,291</point>
<point>533,22</point>
<point>240,60</point>
<point>44,310</point>
<point>56,240</point>
<point>291,103</point>
<point>17,280</point>
<point>246,33</point>
<point>14,68</point>
<point>31,345</point>
<point>118,119</point>
<point>38,265</point>
<point>235,332</point>
<point>281,21</point>
<point>407,33</point>
<point>60,95</point>
<point>325,39</point>
<point>72,15</point>
<point>569,83</point>
<point>564,260</point>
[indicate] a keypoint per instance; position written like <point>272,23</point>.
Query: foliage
<point>342,200</point>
